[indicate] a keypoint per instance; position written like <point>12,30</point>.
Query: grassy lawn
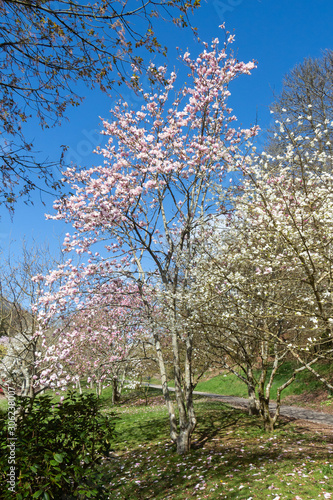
<point>232,457</point>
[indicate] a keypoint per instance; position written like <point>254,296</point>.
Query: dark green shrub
<point>58,447</point>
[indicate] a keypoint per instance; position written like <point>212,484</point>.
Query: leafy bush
<point>57,448</point>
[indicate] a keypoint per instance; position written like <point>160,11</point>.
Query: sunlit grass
<point>3,404</point>
<point>226,384</point>
<point>229,385</point>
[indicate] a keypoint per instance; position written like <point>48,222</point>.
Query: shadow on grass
<point>145,426</point>
<point>138,394</point>
<point>215,423</point>
<point>159,473</point>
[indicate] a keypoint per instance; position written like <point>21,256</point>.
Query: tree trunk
<point>191,417</point>
<point>265,415</point>
<point>26,389</point>
<point>78,386</point>
<point>184,440</point>
<point>121,382</point>
<point>115,393</point>
<point>187,419</point>
<point>165,389</point>
<point>264,401</point>
<point>254,407</point>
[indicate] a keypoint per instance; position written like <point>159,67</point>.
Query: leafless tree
<point>304,108</point>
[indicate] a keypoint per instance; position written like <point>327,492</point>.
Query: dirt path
<point>286,411</point>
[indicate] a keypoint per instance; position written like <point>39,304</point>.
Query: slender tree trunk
<point>187,418</point>
<point>23,388</point>
<point>264,401</point>
<point>122,382</point>
<point>269,421</point>
<point>264,393</point>
<point>115,393</point>
<point>26,389</point>
<point>191,423</point>
<point>165,389</point>
<point>254,406</point>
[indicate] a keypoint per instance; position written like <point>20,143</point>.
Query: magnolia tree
<point>107,338</point>
<point>290,216</point>
<point>267,293</point>
<point>243,316</point>
<point>98,326</point>
<point>19,321</point>
<point>149,197</point>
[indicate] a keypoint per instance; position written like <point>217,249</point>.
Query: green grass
<point>3,404</point>
<point>226,384</point>
<point>231,458</point>
<point>106,397</point>
<point>229,385</point>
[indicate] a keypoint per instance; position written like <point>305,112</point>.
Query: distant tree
<point>18,318</point>
<point>47,47</point>
<point>101,338</point>
<point>304,108</point>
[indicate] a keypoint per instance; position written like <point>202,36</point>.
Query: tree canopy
<point>47,47</point>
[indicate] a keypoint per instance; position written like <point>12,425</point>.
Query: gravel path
<point>287,411</point>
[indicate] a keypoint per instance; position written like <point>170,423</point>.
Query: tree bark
<point>254,406</point>
<point>165,390</point>
<point>78,386</point>
<point>184,398</point>
<point>184,440</point>
<point>115,393</point>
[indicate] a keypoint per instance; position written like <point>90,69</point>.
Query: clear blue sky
<point>276,33</point>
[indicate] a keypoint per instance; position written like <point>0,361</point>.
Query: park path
<point>287,411</point>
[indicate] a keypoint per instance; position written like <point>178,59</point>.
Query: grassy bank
<point>229,385</point>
